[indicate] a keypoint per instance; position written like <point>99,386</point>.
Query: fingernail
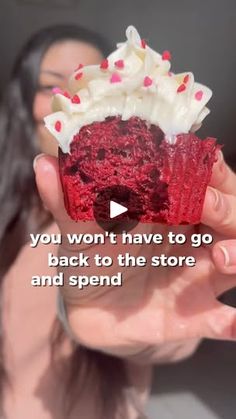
<point>220,161</point>
<point>220,157</point>
<point>216,199</point>
<point>36,159</point>
<point>229,255</point>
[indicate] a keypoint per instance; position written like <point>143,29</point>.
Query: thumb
<point>50,190</point>
<point>49,186</point>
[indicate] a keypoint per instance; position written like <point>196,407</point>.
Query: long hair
<point>18,145</point>
<point>21,211</point>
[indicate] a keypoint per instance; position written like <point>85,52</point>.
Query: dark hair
<point>231,160</point>
<point>18,144</point>
<point>22,212</point>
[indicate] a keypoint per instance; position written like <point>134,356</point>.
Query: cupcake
<point>131,122</point>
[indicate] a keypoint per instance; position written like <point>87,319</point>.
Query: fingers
<point>224,256</point>
<point>220,322</point>
<point>223,178</point>
<point>219,211</point>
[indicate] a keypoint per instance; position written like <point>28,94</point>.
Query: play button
<point>117,208</point>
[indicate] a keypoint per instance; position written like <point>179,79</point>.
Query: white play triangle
<point>116,209</point>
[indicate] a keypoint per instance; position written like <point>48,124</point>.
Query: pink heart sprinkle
<point>66,94</point>
<point>56,90</point>
<point>58,126</point>
<point>181,88</point>
<point>104,64</point>
<point>198,95</point>
<point>115,78</point>
<point>147,81</point>
<point>79,67</point>
<point>119,64</point>
<point>143,43</point>
<point>186,78</point>
<point>166,55</point>
<point>75,99</point>
<point>78,76</point>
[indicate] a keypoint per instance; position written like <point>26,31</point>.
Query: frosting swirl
<point>134,80</point>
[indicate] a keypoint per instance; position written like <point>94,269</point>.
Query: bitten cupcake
<point>130,121</point>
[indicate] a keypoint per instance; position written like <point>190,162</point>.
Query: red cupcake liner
<point>171,180</point>
<point>187,168</point>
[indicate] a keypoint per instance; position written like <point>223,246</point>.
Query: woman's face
<point>57,65</point>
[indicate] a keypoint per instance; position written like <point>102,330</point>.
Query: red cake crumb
<point>170,180</point>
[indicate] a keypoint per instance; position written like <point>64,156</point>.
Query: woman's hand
<point>154,306</point>
<point>219,213</point>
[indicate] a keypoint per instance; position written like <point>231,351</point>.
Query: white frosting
<point>160,103</point>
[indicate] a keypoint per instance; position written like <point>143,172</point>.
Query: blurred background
<point>200,34</point>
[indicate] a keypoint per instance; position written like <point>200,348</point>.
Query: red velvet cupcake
<point>130,122</point>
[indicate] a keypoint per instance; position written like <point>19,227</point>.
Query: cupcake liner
<point>187,168</point>
<point>170,179</point>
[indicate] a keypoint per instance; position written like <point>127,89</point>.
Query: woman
<point>46,61</point>
<point>125,330</point>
